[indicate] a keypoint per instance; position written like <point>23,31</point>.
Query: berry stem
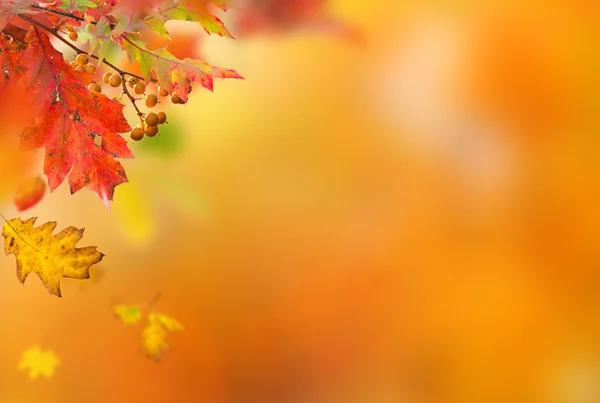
<point>131,98</point>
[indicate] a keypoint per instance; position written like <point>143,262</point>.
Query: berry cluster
<point>148,121</point>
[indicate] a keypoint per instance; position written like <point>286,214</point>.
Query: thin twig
<point>54,32</point>
<point>131,98</point>
<point>61,13</point>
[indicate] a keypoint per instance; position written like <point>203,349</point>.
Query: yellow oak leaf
<point>39,362</point>
<point>154,335</point>
<point>51,257</point>
<point>129,314</point>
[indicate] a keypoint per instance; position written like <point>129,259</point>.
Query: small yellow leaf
<point>38,362</point>
<point>154,335</point>
<point>129,314</point>
<point>51,257</point>
<point>167,322</point>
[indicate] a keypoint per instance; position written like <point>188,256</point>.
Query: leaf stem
<point>154,299</point>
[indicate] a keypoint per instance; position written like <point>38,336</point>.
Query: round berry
<point>140,88</point>
<point>115,80</point>
<point>151,131</point>
<point>151,100</point>
<point>94,87</point>
<point>90,69</point>
<point>106,77</point>
<point>151,119</point>
<point>136,134</point>
<point>132,81</point>
<point>69,28</point>
<point>162,92</point>
<point>82,59</point>
<point>79,68</point>
<point>73,36</point>
<point>162,117</point>
<point>176,99</point>
<point>73,64</point>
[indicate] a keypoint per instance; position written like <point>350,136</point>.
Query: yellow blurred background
<point>411,219</point>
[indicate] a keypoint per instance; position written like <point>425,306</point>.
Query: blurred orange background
<point>409,219</point>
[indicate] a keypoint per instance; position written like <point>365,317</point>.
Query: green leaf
<point>79,5</point>
<point>156,23</point>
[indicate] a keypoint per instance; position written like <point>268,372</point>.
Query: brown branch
<point>61,13</point>
<point>54,32</point>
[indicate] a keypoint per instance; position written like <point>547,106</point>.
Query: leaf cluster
<point>78,126</point>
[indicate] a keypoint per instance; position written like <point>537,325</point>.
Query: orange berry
<point>162,117</point>
<point>151,100</point>
<point>82,59</point>
<point>90,69</point>
<point>115,80</point>
<point>151,131</point>
<point>94,87</point>
<point>162,92</point>
<point>151,119</point>
<point>140,88</point>
<point>136,134</point>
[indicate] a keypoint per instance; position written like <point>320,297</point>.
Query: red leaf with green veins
<point>70,120</point>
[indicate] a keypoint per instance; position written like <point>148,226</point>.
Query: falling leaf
<point>39,362</point>
<point>129,314</point>
<point>154,335</point>
<point>29,193</point>
<point>51,257</point>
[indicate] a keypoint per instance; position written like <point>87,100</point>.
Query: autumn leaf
<point>79,5</point>
<point>71,118</point>
<point>128,314</point>
<point>51,257</point>
<point>39,362</point>
<point>10,8</point>
<point>154,335</point>
<point>29,193</point>
<point>173,74</point>
<point>189,11</point>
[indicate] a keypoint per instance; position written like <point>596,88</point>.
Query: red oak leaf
<point>71,119</point>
